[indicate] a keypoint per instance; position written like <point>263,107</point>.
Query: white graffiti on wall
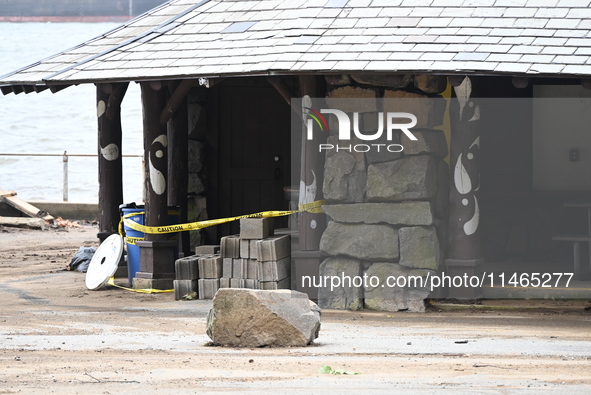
<point>157,179</point>
<point>464,185</point>
<point>110,152</point>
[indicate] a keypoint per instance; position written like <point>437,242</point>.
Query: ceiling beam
<point>286,93</point>
<point>176,99</point>
<point>6,89</point>
<point>57,88</point>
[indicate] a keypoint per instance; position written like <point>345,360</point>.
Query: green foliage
<point>191,296</point>
<point>325,369</point>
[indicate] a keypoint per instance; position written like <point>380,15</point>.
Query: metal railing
<point>65,158</point>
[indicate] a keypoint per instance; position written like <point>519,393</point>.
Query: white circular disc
<point>104,262</point>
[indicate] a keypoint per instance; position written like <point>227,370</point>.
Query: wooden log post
<point>311,225</point>
<point>178,156</point>
<point>156,251</point>
<point>306,261</point>
<point>110,165</point>
<point>464,254</point>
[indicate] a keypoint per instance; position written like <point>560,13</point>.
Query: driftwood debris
<point>16,202</point>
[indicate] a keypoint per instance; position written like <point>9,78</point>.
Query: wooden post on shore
<point>306,260</point>
<point>464,254</point>
<point>311,226</point>
<point>156,252</point>
<point>110,165</point>
<point>178,159</point>
<point>156,154</point>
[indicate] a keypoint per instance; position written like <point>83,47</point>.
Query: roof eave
<point>261,73</point>
<point>56,85</point>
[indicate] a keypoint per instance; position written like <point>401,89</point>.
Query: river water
<point>54,123</point>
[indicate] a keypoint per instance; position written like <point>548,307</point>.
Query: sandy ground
<point>58,337</point>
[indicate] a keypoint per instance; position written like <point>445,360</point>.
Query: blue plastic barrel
<point>132,236</point>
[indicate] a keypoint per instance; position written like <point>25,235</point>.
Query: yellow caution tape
<point>143,291</point>
<point>314,207</point>
<point>132,240</point>
<point>126,216</point>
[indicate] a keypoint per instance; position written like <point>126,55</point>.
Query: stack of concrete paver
<point>256,259</point>
<point>199,273</point>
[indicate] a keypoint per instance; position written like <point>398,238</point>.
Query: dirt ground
<point>58,337</point>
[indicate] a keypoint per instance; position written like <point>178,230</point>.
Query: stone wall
<point>197,162</point>
<point>387,212</point>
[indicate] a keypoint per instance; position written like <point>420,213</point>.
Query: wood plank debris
<point>8,193</point>
<point>16,202</point>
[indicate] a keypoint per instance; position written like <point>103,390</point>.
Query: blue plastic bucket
<point>132,236</point>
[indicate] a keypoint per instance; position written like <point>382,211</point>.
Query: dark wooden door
<point>253,151</point>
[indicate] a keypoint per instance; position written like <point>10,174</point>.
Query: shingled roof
<point>189,38</point>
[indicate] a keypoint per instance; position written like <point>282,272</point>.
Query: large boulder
<point>341,292</point>
<point>429,110</point>
<point>337,79</point>
<point>430,83</point>
<point>399,288</point>
<point>258,318</point>
<point>429,141</point>
<point>412,177</point>
<point>360,241</point>
<point>389,80</point>
<point>196,156</point>
<point>402,213</point>
<point>195,185</point>
<point>356,99</point>
<point>336,171</point>
<point>419,247</point>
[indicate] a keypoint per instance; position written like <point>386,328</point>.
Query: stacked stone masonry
<point>387,211</point>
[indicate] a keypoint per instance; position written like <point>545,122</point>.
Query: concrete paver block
<point>244,248</point>
<point>255,228</point>
<point>253,250</point>
<point>152,283</point>
<point>227,267</point>
<point>210,266</point>
<point>235,283</point>
<point>276,270</point>
<point>250,283</point>
<point>252,269</point>
<point>207,249</point>
<point>230,246</point>
<point>208,287</point>
<point>224,282</point>
<point>238,269</point>
<point>273,248</point>
<point>187,268</point>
